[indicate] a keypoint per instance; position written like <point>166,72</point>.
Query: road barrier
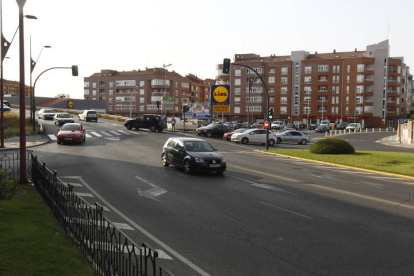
<point>10,163</point>
<point>349,131</point>
<point>103,246</point>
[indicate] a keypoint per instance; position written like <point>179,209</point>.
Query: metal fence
<point>10,163</point>
<point>106,248</point>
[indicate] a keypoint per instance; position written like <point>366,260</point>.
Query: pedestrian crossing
<point>105,134</point>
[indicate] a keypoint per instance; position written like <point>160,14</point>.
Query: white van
<point>354,127</point>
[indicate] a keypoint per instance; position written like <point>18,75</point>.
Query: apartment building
<point>367,86</point>
<point>153,90</point>
<point>12,88</point>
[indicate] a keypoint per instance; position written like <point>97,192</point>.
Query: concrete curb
<point>337,165</point>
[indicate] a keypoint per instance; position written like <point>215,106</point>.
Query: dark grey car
<point>152,122</point>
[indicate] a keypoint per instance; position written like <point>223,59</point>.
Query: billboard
<point>198,111</point>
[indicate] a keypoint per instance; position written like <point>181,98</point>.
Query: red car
<point>228,135</point>
<point>71,133</point>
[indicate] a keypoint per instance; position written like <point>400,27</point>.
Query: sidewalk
<point>31,141</point>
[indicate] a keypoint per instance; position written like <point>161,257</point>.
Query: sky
<point>192,35</point>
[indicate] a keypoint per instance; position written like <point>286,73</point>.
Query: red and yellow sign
<point>219,108</point>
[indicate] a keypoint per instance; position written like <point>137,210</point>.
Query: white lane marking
<point>113,138</point>
<point>151,193</point>
<point>263,173</point>
<point>286,210</point>
<point>124,132</point>
<point>72,183</point>
<point>114,132</point>
<point>96,134</point>
<point>52,137</point>
<point>148,234</point>
<point>83,194</point>
<point>106,133</point>
<point>389,202</point>
<point>88,135</point>
<point>123,226</point>
<point>264,186</point>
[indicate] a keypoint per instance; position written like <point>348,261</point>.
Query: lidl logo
<point>221,93</point>
<point>70,104</point>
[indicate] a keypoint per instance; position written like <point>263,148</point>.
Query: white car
<point>254,136</point>
<point>293,136</point>
<point>63,118</point>
<point>46,114</point>
<point>88,115</point>
<point>278,125</point>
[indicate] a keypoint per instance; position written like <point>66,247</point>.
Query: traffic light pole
<point>268,101</point>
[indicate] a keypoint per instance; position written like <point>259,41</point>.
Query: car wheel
<point>208,134</point>
<point>303,142</point>
<point>58,142</point>
<point>198,133</point>
<point>160,130</point>
<point>153,129</point>
<point>278,141</point>
<point>164,160</point>
<point>129,127</point>
<point>245,140</point>
<point>187,167</point>
<point>271,142</point>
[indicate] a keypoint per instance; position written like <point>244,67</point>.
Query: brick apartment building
<point>135,92</point>
<point>12,88</point>
<point>368,86</point>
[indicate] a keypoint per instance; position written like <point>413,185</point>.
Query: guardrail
<point>103,246</point>
<point>10,163</point>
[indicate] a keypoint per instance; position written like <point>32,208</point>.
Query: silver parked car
<point>293,137</point>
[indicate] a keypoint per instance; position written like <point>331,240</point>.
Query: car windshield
<point>240,130</point>
<point>91,112</point>
<point>71,127</point>
<point>198,146</point>
<point>48,111</point>
<point>64,116</point>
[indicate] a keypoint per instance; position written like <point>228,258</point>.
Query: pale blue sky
<point>192,35</point>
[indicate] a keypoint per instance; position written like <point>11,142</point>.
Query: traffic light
<point>270,114</point>
<point>226,66</point>
<point>185,108</point>
<point>74,70</point>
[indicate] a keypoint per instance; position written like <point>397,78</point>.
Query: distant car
<point>342,125</point>
<point>46,114</point>
<point>354,127</point>
<point>312,126</point>
<point>71,133</point>
<point>293,137</point>
<point>239,125</point>
<point>278,125</point>
<point>63,118</point>
<point>88,115</point>
<point>153,122</point>
<point>228,135</point>
<point>192,154</point>
<point>212,130</point>
<point>254,136</point>
<point>6,108</point>
<point>323,128</point>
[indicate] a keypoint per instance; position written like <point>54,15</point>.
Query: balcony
<point>323,90</point>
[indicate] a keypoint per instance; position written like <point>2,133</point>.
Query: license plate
<point>68,139</point>
<point>214,165</point>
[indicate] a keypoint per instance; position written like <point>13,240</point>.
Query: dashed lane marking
<point>96,134</point>
<point>52,137</point>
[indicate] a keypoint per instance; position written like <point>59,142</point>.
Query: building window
<point>272,99</point>
<point>237,109</point>
<point>360,78</point>
<point>284,80</point>
<point>125,83</point>
<point>271,80</point>
<point>237,73</point>
<point>284,71</point>
<point>359,89</point>
<point>111,84</point>
<point>185,85</point>
<point>237,82</point>
<point>308,80</point>
<point>283,100</point>
<point>348,68</point>
<point>283,110</point>
<point>283,90</point>
<point>308,69</point>
<point>142,91</point>
<point>359,100</point>
<point>271,90</point>
<point>237,91</point>
<point>141,100</point>
<point>272,71</point>
<point>307,100</point>
<point>360,67</point>
<point>94,85</point>
<point>86,84</point>
<point>237,100</point>
<point>142,83</point>
<point>323,68</point>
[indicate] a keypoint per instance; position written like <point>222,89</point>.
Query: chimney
<point>355,49</point>
<point>316,53</point>
<point>334,51</point>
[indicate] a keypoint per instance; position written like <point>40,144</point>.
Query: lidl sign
<point>220,94</point>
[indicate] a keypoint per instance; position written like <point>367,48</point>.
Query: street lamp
<point>5,45</point>
<point>165,77</point>
<point>32,96</point>
<point>323,99</point>
<point>130,101</point>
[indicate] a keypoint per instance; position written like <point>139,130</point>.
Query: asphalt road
<point>266,215</point>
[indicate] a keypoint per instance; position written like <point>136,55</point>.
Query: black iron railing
<point>10,163</point>
<point>106,248</point>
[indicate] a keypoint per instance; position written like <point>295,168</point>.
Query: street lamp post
<point>323,99</point>
<point>5,45</point>
<point>32,95</point>
<point>165,78</point>
<point>130,101</point>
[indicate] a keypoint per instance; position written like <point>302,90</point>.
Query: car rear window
<point>91,112</point>
<point>70,127</point>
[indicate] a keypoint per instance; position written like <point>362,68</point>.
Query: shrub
<point>332,146</point>
<point>8,188</point>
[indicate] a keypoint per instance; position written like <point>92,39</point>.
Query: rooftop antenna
<point>388,29</point>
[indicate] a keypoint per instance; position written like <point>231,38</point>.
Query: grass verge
<point>389,162</point>
<point>33,242</point>
<point>12,125</point>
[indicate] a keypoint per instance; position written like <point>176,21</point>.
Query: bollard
<point>380,130</point>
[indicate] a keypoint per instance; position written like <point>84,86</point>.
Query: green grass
<point>12,126</point>
<point>32,242</point>
<point>390,162</point>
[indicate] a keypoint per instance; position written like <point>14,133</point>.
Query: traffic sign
<point>221,108</point>
<point>401,121</point>
<point>266,124</point>
<point>220,94</point>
